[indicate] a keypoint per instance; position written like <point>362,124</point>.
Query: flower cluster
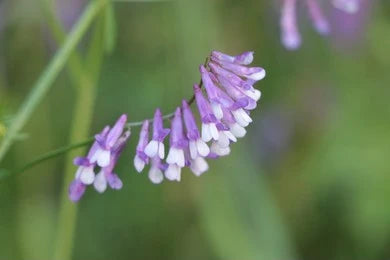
<point>223,113</point>
<point>290,35</point>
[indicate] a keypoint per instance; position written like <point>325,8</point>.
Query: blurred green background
<point>311,180</point>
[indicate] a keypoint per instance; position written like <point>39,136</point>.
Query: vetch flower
<point>197,147</point>
<point>209,121</point>
<point>321,24</point>
<point>236,129</point>
<point>106,142</point>
<point>141,159</point>
<point>178,143</point>
<point>291,38</point>
<point>156,175</point>
<point>156,145</point>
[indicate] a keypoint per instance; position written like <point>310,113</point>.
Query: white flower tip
<point>161,150</point>
<point>199,166</point>
<point>202,148</point>
<point>100,182</point>
<point>258,75</point>
<point>237,130</point>
<point>151,149</point>
<point>103,158</point>
<point>87,176</point>
<point>173,173</point>
<point>176,156</point>
<point>220,151</point>
<point>138,164</point>
<point>155,175</point>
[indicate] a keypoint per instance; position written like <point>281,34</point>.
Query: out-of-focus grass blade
<point>110,31</point>
<point>48,76</point>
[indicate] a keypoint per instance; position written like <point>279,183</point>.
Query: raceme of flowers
<point>223,114</point>
<point>290,35</point>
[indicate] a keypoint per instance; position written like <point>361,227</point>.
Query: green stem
<point>47,78</point>
<point>83,111</point>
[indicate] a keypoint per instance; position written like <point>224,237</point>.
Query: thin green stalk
<point>47,78</point>
<point>83,111</point>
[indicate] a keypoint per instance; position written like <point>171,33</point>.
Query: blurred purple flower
<point>290,35</point>
<point>349,28</point>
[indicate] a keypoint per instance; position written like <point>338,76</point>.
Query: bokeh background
<point>311,180</point>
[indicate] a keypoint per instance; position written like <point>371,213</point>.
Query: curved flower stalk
<point>290,35</point>
<point>223,114</point>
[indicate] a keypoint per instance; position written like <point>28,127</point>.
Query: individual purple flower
<point>141,159</point>
<point>251,73</point>
<point>236,129</point>
<point>348,6</point>
<point>244,58</point>
<point>85,173</point>
<point>103,154</point>
<point>106,174</point>
<point>321,24</point>
<point>209,121</point>
<point>156,175</point>
<point>197,147</point>
<point>291,38</point>
<point>178,143</point>
<point>156,145</point>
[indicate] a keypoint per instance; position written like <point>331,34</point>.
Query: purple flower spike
<point>76,190</point>
<point>156,145</point>
<point>320,22</point>
<point>244,58</point>
<point>252,73</point>
<point>106,142</point>
<point>197,146</point>
<point>141,159</point>
<point>209,128</point>
<point>155,173</point>
<point>291,37</point>
<point>348,6</point>
<point>175,158</point>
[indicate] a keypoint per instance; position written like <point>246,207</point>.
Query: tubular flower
<point>223,116</point>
